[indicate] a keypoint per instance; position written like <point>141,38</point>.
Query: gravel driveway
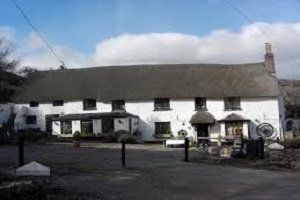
<point>94,171</point>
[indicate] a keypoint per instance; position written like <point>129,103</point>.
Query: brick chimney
<point>269,59</point>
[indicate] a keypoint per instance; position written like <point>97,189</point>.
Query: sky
<point>121,32</point>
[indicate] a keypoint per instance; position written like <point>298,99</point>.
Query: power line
<point>37,32</point>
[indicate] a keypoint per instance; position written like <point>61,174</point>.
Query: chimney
<point>269,59</point>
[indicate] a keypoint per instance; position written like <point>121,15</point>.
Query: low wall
<point>287,157</point>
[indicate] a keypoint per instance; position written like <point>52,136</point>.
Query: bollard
<point>21,150</point>
<point>186,150</point>
<point>261,147</point>
<point>123,154</point>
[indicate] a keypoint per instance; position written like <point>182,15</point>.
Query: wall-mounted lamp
<point>183,124</point>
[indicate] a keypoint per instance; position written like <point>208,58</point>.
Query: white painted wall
<point>258,110</point>
<point>97,126</point>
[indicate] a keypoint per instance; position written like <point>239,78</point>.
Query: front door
<point>49,122</point>
<point>202,133</point>
<point>107,125</point>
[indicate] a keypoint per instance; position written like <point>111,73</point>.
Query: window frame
<point>33,104</point>
<point>118,105</point>
<point>234,125</point>
<point>158,125</point>
<point>202,100</point>
<point>162,104</point>
<point>85,104</point>
<point>62,127</point>
<point>34,120</point>
<point>58,103</point>
<point>88,121</point>
<point>232,103</point>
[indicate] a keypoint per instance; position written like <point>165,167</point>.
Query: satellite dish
<point>265,130</point>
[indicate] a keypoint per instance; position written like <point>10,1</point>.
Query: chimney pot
<point>269,59</point>
<point>268,48</point>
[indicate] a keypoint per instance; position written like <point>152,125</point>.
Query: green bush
<point>127,138</point>
<point>292,143</point>
<point>77,136</point>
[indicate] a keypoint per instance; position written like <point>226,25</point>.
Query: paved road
<point>153,172</point>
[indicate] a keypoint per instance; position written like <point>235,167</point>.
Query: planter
<point>76,143</point>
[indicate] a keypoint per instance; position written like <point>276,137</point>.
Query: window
<point>200,103</point>
<point>162,128</point>
<point>162,104</point>
<point>232,103</point>
<point>89,104</point>
<point>31,119</point>
<point>58,103</point>
<point>66,127</point>
<point>234,128</point>
<point>33,103</point>
<point>107,125</point>
<point>87,126</point>
<point>118,105</point>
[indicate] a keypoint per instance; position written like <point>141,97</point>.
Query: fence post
<point>123,154</point>
<point>261,147</point>
<point>21,150</point>
<point>186,149</point>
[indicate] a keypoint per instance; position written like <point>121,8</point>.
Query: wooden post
<point>21,150</point>
<point>186,149</point>
<point>261,148</point>
<point>123,154</point>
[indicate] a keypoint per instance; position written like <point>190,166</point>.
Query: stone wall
<point>288,157</point>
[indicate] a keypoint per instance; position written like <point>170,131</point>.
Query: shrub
<point>107,137</point>
<point>292,143</point>
<point>128,138</point>
<point>33,134</point>
<point>77,136</point>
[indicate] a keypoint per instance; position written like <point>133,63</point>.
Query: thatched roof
<point>233,117</point>
<point>87,116</point>
<point>149,81</point>
<point>202,117</point>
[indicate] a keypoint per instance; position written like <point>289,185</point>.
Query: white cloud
<point>7,33</point>
<point>220,46</point>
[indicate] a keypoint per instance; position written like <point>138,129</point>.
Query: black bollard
<point>123,154</point>
<point>186,150</point>
<point>21,150</point>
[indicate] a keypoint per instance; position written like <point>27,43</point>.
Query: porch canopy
<point>233,117</point>
<point>87,116</point>
<point>202,117</point>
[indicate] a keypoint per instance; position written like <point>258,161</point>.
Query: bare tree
<point>6,63</point>
<point>25,71</point>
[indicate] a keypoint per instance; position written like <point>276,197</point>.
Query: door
<point>202,131</point>
<point>107,125</point>
<point>48,119</point>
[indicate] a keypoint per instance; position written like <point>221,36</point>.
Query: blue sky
<point>81,25</point>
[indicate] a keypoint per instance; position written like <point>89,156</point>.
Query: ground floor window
<point>107,125</point>
<point>162,128</point>
<point>31,119</point>
<point>86,126</point>
<point>234,128</point>
<point>66,127</point>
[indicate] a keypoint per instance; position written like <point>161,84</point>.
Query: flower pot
<point>76,143</point>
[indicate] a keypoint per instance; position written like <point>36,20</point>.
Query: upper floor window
<point>58,103</point>
<point>89,104</point>
<point>31,119</point>
<point>232,103</point>
<point>33,103</point>
<point>162,104</point>
<point>200,103</point>
<point>118,105</point>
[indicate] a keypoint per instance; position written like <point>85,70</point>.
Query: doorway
<point>202,133</point>
<point>48,119</point>
<point>108,125</point>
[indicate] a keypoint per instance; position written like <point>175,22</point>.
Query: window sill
<point>232,109</point>
<point>200,109</point>
<point>162,135</point>
<point>163,109</point>
<point>89,108</point>
<point>119,110</point>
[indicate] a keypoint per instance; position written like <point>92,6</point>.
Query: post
<point>123,154</point>
<point>261,147</point>
<point>186,149</point>
<point>21,150</point>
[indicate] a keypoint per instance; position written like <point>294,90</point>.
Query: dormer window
<point>200,103</point>
<point>232,103</point>
<point>89,104</point>
<point>58,103</point>
<point>161,104</point>
<point>33,103</point>
<point>118,105</point>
